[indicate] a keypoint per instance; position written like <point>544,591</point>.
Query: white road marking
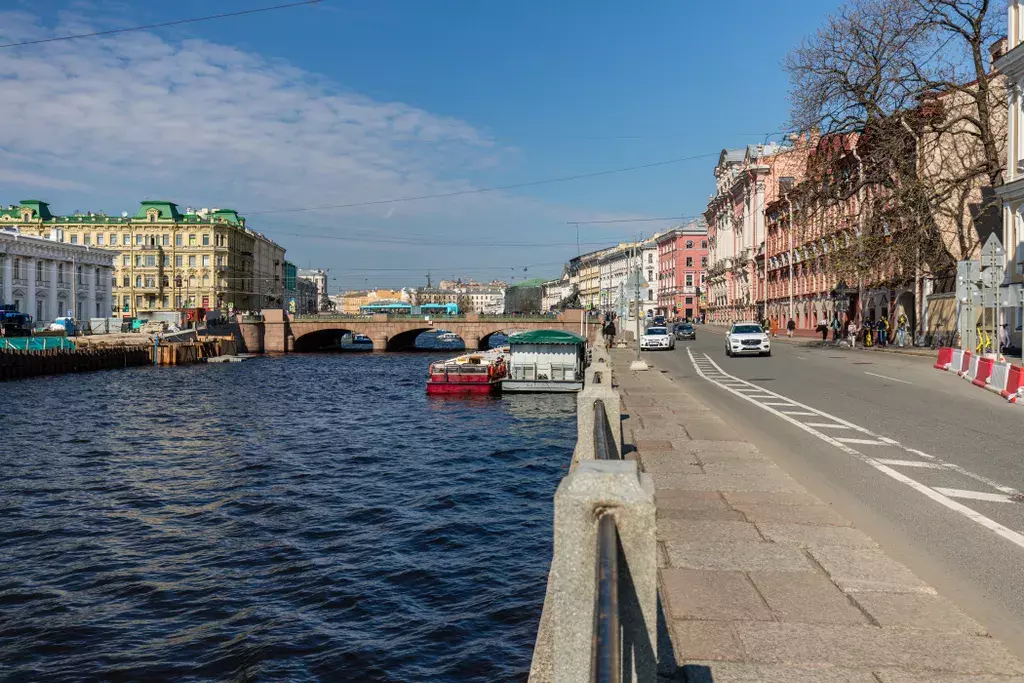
<point>866,442</point>
<point>917,452</point>
<point>790,405</point>
<point>944,500</point>
<point>875,374</point>
<point>975,495</point>
<point>912,463</point>
<point>798,412</point>
<point>830,425</point>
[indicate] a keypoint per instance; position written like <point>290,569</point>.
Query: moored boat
<point>471,373</point>
<point>545,361</point>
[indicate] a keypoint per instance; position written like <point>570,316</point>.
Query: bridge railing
<point>600,613</point>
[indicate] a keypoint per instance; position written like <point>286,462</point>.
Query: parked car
<point>657,338</point>
<point>685,331</point>
<point>747,338</point>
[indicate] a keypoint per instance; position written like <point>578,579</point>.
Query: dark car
<point>659,320</point>
<point>685,331</point>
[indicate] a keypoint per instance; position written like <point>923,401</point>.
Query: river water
<point>309,517</point>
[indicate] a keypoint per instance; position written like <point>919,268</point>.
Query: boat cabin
<point>545,361</point>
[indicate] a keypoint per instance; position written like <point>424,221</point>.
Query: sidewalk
<point>761,581</point>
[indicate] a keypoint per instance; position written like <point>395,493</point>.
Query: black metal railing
<point>606,664</point>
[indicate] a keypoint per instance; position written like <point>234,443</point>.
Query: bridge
<point>279,332</point>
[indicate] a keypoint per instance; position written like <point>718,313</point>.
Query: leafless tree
<point>912,123</point>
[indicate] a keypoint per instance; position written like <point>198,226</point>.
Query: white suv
<point>657,338</point>
<point>747,338</point>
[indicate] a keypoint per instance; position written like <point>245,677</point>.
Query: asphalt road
<point>927,464</point>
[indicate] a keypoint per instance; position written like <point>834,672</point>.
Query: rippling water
<point>309,517</point>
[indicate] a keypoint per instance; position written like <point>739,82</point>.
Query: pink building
<point>682,262</point>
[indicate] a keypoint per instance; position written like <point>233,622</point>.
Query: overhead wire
<point>146,27</point>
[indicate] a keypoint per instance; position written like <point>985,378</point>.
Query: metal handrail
<point>606,651</point>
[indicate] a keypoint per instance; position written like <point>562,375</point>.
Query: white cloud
<point>133,116</point>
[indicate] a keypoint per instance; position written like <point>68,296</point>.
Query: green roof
<point>166,209</point>
<point>546,337</point>
<point>535,282</point>
<point>41,209</point>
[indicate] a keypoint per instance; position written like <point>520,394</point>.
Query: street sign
<point>992,253</point>
<point>992,276</point>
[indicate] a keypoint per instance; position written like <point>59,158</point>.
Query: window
<point>689,300</point>
<point>74,239</point>
<point>113,239</point>
<point>60,272</point>
<point>192,260</point>
<point>704,261</point>
<point>163,302</point>
<point>165,240</point>
<point>650,295</point>
<point>164,281</point>
<point>126,282</point>
<point>220,261</point>
<point>126,239</point>
<point>167,260</point>
<point>150,260</point>
<point>689,261</point>
<point>87,238</point>
<point>139,239</point>
<point>191,281</point>
<point>703,244</point>
<point>178,260</point>
<point>177,240</point>
<point>206,258</point>
<point>99,239</point>
<point>138,302</point>
<point>138,280</point>
<point>152,218</point>
<point>177,301</point>
<point>689,279</point>
<point>689,244</point>
<point>192,239</point>
<point>150,281</point>
<point>138,260</point>
<point>113,280</point>
<point>206,280</point>
<point>206,239</point>
<point>650,258</point>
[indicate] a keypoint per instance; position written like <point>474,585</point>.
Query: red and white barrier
<point>999,377</point>
<point>945,358</point>
<point>970,366</point>
<point>1014,381</point>
<point>956,361</point>
<point>981,370</point>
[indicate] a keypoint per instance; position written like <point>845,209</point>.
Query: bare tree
<point>912,122</point>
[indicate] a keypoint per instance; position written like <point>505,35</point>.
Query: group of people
<point>872,332</point>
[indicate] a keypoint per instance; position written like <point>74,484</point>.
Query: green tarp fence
<point>36,343</point>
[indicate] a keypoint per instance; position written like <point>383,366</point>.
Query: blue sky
<point>345,102</point>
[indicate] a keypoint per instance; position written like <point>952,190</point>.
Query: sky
<point>293,116</point>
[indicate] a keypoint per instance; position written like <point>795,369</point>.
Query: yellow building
<point>352,301</point>
<point>171,260</point>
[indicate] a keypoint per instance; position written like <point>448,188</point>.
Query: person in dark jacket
<point>790,327</point>
<point>609,333</point>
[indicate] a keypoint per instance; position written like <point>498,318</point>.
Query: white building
<point>319,279</point>
<point>1011,64</point>
<point>487,301</point>
<point>555,292</point>
<point>47,278</point>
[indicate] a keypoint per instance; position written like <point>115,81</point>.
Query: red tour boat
<point>472,373</point>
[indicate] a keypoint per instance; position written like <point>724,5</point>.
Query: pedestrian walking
<point>836,328</point>
<point>823,328</point>
<point>883,332</point>
<point>1004,338</point>
<point>901,329</point>
<point>609,333</point>
<point>775,328</point>
<point>790,327</point>
<point>851,331</point>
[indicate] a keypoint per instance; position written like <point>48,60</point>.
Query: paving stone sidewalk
<point>761,581</point>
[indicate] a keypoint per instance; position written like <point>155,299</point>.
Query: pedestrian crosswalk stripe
<point>830,425</point>
<point>976,495</point>
<point>788,405</point>
<point>798,412</point>
<point>866,442</point>
<point>912,463</point>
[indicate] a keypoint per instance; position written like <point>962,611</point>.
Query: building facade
<point>1011,65</point>
<point>682,268</point>
<point>49,279</point>
<point>168,260</point>
<point>318,278</point>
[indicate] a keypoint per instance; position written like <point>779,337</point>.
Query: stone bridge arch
<point>316,339</point>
